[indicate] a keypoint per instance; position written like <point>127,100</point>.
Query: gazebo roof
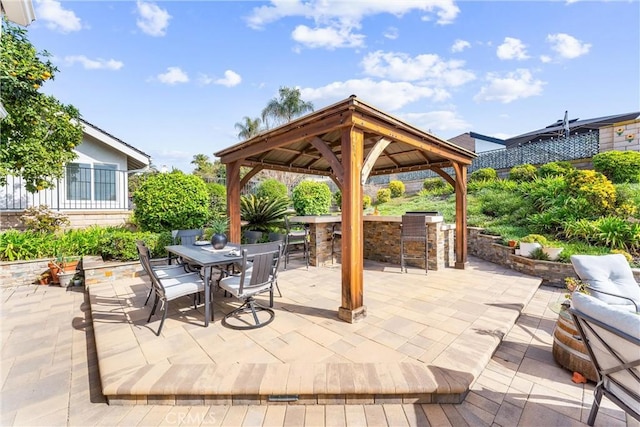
<point>311,144</point>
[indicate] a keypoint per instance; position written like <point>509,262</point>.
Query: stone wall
<point>621,136</point>
<point>491,249</point>
<point>77,219</point>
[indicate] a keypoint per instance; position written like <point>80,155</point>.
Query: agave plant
<point>262,212</point>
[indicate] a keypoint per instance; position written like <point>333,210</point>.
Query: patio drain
<point>283,398</point>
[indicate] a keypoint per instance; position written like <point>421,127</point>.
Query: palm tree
<point>288,106</point>
<point>249,128</point>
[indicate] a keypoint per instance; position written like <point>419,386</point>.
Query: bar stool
<point>336,233</point>
<point>297,239</point>
<point>413,229</point>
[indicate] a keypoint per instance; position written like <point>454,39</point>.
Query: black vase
<point>218,241</point>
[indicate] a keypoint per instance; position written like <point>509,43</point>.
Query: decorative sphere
<point>218,241</point>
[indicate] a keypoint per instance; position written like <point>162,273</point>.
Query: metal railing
<point>81,189</point>
<point>536,153</point>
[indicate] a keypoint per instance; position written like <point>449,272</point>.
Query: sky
<point>172,78</point>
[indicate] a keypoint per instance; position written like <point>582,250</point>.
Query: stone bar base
<point>352,316</point>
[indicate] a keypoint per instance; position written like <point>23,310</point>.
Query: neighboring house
<point>477,143</point>
<point>94,189</point>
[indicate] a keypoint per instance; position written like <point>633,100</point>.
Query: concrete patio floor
<point>451,320</point>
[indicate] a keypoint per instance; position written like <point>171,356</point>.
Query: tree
<point>39,134</point>
<point>285,108</point>
<point>248,128</point>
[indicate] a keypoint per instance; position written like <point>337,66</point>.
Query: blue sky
<point>172,78</point>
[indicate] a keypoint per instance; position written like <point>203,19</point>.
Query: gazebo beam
<point>461,215</point>
<point>233,200</point>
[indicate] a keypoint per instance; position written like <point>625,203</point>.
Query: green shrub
<point>366,201</point>
<point>41,218</point>
<point>396,188</point>
<point>554,169</point>
<point>311,198</point>
<point>337,199</point>
<point>595,194</point>
<point>436,187</point>
<point>618,166</point>
<point>383,195</point>
<point>171,201</point>
<point>217,200</point>
<point>273,189</point>
<point>484,174</point>
<point>262,213</point>
<point>522,173</point>
<point>534,238</point>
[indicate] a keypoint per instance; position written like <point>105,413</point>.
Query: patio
<point>50,374</point>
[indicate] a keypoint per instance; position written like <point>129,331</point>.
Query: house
<point>477,142</point>
<point>94,189</point>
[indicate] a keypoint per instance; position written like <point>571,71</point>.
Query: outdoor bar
<point>381,240</point>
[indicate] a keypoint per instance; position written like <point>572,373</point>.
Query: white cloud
<point>383,94</point>
<point>327,37</point>
<point>343,17</point>
<point>460,45</point>
<point>56,17</point>
<point>174,75</point>
<point>567,46</point>
<point>94,64</point>
<point>230,79</point>
<point>391,33</point>
<point>427,68</point>
<point>442,121</point>
<point>152,20</point>
<point>514,85</point>
<point>545,59</point>
<point>512,48</point>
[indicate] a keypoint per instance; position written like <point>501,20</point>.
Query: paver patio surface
<point>50,372</point>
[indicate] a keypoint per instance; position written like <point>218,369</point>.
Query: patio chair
<point>162,270</point>
<point>170,288</point>
<point>413,229</point>
<point>251,236</point>
<point>612,338</point>
<point>297,240</point>
<point>609,278</point>
<point>255,278</point>
<point>186,238</point>
<point>266,247</point>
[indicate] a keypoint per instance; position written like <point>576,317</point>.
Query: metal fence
<point>97,188</point>
<point>536,153</point>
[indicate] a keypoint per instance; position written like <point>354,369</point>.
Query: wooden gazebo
<point>348,142</point>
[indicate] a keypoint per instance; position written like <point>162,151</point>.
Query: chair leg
<point>402,266</point>
<point>596,405</point>
<point>278,288</point>
<point>153,310</point>
<point>148,296</point>
<point>164,316</point>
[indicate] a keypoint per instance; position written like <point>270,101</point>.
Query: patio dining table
<point>206,257</point>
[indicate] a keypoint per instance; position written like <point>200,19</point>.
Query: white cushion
<point>616,317</point>
<point>232,285</point>
<point>608,273</point>
<point>178,286</point>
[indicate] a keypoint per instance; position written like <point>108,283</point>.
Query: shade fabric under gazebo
<point>348,142</point>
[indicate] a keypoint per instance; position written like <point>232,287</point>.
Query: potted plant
<point>530,243</point>
<point>219,226</point>
<point>62,264</point>
<point>552,252</point>
<point>44,278</point>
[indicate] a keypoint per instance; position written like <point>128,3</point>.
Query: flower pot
<point>552,253</point>
<point>512,243</point>
<point>527,248</point>
<point>218,241</point>
<point>66,279</point>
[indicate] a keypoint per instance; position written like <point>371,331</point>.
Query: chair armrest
<point>617,296</point>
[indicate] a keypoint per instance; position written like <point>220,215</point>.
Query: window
<point>78,181</point>
<point>105,182</point>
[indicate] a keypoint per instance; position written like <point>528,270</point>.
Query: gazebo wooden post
<point>461,215</point>
<point>352,309</point>
<point>233,200</point>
